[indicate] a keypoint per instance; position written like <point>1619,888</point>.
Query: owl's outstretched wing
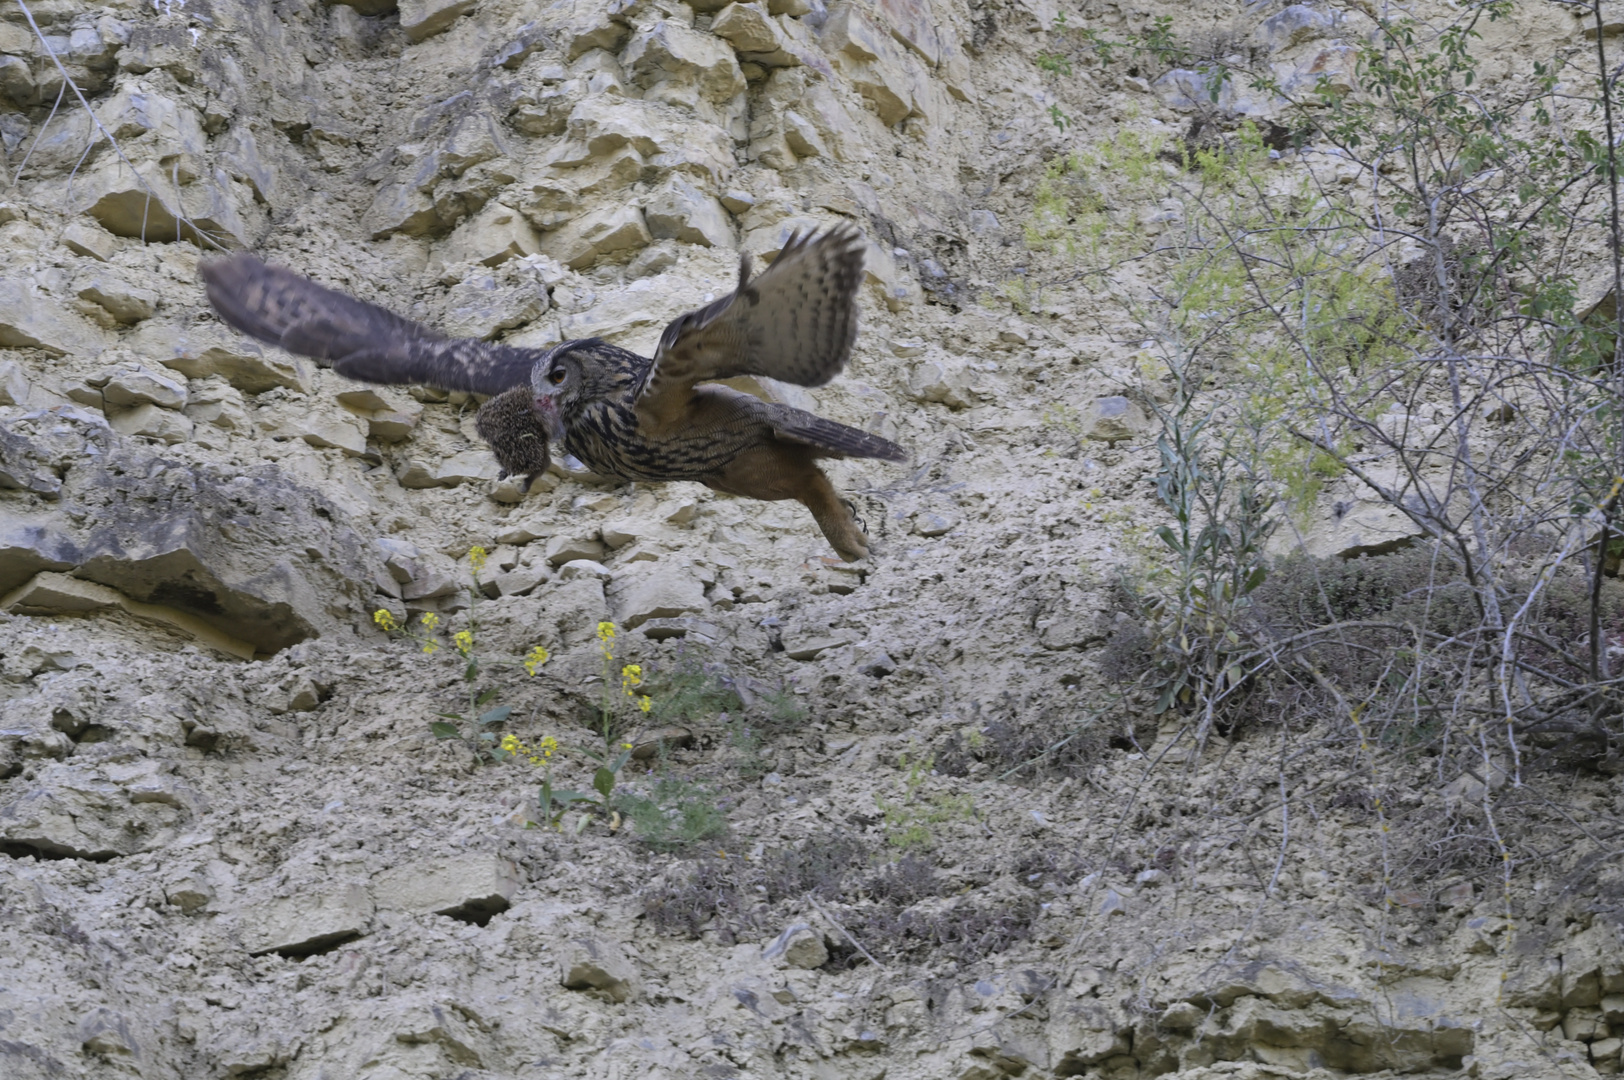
<point>794,322</point>
<point>363,341</point>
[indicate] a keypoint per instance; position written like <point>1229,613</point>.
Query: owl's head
<point>566,378</point>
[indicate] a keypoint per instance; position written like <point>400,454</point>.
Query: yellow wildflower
<point>631,675</point>
<point>547,746</point>
<point>511,743</point>
<point>431,647</point>
<point>645,703</point>
<point>464,640</point>
<point>477,556</point>
<point>430,620</point>
<point>625,746</point>
<point>384,619</point>
<point>606,631</point>
<point>538,656</point>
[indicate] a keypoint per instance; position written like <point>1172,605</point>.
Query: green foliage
<point>910,822</point>
<point>674,814</point>
<point>481,736</point>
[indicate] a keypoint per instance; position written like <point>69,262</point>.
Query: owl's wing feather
<point>363,341</point>
<point>834,439</point>
<point>795,322</point>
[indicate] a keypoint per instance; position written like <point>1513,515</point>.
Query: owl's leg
<point>774,471</point>
<point>834,516</point>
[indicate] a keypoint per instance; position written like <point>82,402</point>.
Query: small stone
<point>808,647</point>
<point>331,432</point>
<point>400,557</point>
<point>646,746</point>
<point>1113,904</point>
<point>907,349</point>
<point>436,576</point>
<point>522,532</point>
<point>521,581</point>
<point>13,383</point>
<point>583,568</point>
<point>935,524</point>
<point>1456,895</point>
<point>617,534</point>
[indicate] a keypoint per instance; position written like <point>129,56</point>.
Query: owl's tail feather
<point>834,440</point>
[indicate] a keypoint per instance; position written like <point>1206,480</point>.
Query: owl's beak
<point>546,408</point>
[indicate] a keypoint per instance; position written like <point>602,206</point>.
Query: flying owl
<point>623,415</point>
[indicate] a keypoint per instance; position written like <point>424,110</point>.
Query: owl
<point>622,415</point>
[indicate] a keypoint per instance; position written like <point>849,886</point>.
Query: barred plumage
<point>621,414</point>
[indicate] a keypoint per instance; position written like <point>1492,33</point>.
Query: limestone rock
<point>563,549</point>
<point>599,234</point>
<point>804,645</point>
<point>144,203</point>
<point>1114,419</point>
<point>576,569</point>
<point>209,541</point>
<point>655,590</point>
<point>31,320</point>
<point>13,383</point>
<point>205,351</point>
<point>595,963</point>
<point>69,813</point>
<point>1293,25</point>
<point>496,234</point>
<point>127,303</point>
<point>132,384</point>
<point>674,64</point>
<point>748,28</point>
<point>799,946</point>
<point>83,238</point>
<point>468,887</point>
<point>943,382</point>
<point>152,422</point>
<point>422,19</point>
<point>679,211</point>
<point>317,916</point>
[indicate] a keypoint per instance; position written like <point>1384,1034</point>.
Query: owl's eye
<point>556,377</point>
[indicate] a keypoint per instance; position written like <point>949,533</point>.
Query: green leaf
<point>471,672</point>
<point>487,736</point>
<point>442,730</point>
<point>620,760</point>
<point>603,781</point>
<point>1254,579</point>
<point>564,798</point>
<point>487,695</point>
<point>496,715</point>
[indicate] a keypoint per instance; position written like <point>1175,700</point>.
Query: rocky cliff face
<point>918,841</point>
